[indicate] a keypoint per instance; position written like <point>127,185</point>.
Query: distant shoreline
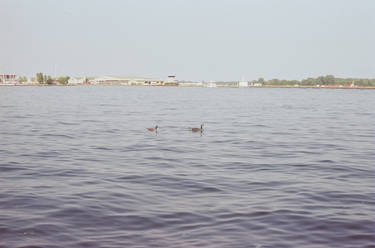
<point>200,86</point>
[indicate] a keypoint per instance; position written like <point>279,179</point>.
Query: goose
<point>153,129</point>
<point>196,129</point>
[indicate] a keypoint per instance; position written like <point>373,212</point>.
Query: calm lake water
<point>273,167</point>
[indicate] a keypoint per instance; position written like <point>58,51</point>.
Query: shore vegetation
<point>320,81</point>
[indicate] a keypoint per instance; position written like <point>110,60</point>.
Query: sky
<point>192,39</point>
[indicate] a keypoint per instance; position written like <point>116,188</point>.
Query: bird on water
<point>153,129</point>
<point>196,129</point>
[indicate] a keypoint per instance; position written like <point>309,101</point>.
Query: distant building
<point>255,84</point>
<point>190,84</point>
<point>8,79</point>
<point>210,85</point>
<point>243,84</point>
<point>171,80</point>
<point>121,80</point>
<point>77,80</point>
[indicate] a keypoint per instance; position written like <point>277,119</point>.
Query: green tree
<point>329,80</point>
<point>63,80</point>
<point>40,77</point>
<point>261,80</point>
<point>275,81</point>
<point>48,79</point>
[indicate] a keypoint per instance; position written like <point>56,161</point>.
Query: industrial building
<point>121,80</point>
<point>8,79</point>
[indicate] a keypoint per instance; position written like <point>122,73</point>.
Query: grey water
<point>272,167</point>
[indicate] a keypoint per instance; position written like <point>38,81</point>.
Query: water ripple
<point>273,167</point>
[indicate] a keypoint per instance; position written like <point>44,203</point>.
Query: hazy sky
<point>194,39</point>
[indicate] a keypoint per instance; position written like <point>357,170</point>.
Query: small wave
<point>68,123</point>
<point>104,148</point>
<point>47,154</point>
<point>57,135</point>
<point>12,166</point>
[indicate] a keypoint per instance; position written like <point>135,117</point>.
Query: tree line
<point>321,81</point>
<point>47,79</point>
<point>328,80</point>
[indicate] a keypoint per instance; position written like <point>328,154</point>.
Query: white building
<point>77,80</point>
<point>243,84</point>
<point>255,84</point>
<point>210,85</point>
<point>121,80</point>
<point>8,79</point>
<point>171,79</point>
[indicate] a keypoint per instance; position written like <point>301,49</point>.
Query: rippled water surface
<point>272,168</point>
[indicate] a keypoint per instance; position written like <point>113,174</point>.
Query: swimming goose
<point>195,129</point>
<point>153,129</point>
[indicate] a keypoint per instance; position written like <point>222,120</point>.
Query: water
<point>273,167</point>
